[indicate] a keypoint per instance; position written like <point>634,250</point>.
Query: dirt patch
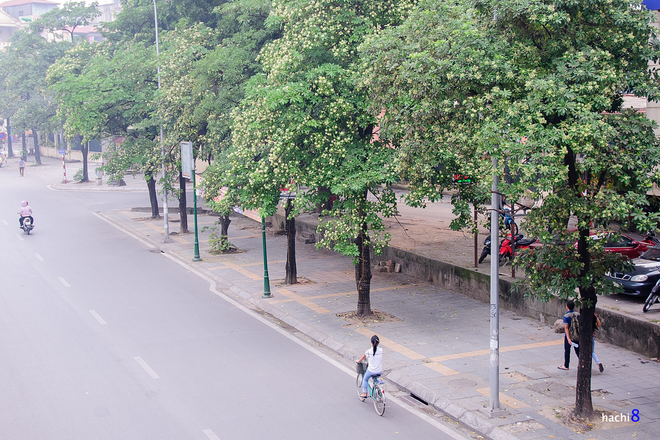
<point>147,219</point>
<point>603,418</point>
<point>228,251</point>
<point>301,280</point>
<point>364,321</point>
<point>527,425</point>
<point>518,377</point>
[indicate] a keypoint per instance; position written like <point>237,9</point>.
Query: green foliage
<point>79,176</point>
<point>67,18</point>
<point>218,243</point>
<point>306,121</point>
<point>532,84</point>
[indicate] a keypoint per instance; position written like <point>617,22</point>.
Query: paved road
<point>103,337</point>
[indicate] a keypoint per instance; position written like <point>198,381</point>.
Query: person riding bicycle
<point>374,357</point>
<point>25,212</point>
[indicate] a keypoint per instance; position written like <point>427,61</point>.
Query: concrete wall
<point>71,155</point>
<point>618,329</point>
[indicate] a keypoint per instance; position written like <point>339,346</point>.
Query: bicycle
<point>375,388</point>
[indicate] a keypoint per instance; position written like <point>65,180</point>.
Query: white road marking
<point>210,434</point>
<point>98,317</point>
<point>63,281</point>
<point>39,257</point>
<point>351,372</point>
<point>146,367</point>
<point>5,222</point>
<point>19,237</point>
<point>125,231</point>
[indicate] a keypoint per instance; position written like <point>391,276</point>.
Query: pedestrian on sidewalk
<point>568,317</point>
<point>374,357</point>
<point>21,166</point>
<point>597,325</point>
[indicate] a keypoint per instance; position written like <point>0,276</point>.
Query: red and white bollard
<point>64,168</point>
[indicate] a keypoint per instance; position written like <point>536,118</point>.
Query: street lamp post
<point>266,278</point>
<point>166,225</point>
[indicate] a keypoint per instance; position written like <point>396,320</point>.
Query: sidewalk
<point>436,341</point>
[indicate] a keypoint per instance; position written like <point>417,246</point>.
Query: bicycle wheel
<point>379,400</point>
<point>649,302</point>
<point>358,386</point>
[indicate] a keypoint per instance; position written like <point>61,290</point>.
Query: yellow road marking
<point>303,301</point>
<point>509,401</point>
<point>439,368</point>
<point>243,265</point>
<point>333,295</point>
<point>242,271</point>
<point>392,345</point>
<point>502,349</point>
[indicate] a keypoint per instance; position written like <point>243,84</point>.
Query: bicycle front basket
<point>361,367</point>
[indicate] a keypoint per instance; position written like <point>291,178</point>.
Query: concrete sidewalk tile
<point>434,324</point>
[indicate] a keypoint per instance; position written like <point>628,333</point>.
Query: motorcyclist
<point>25,212</point>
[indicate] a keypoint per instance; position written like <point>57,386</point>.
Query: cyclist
<point>374,356</point>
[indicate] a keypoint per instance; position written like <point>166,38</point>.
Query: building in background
<point>27,10</point>
<point>8,25</point>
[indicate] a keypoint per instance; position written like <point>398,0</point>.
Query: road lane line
<point>63,281</point>
<point>19,237</point>
<point>146,367</point>
<point>98,317</point>
<point>125,231</point>
<point>39,257</point>
<point>5,222</point>
<point>349,371</point>
<point>210,434</point>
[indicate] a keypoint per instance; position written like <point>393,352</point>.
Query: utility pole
<point>494,408</point>
<point>166,225</point>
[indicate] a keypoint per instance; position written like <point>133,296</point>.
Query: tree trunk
<point>24,152</point>
<point>153,196</point>
<point>84,149</point>
<point>224,226</point>
<point>183,209</point>
<point>10,148</point>
<point>224,231</point>
<point>583,404</point>
<point>326,205</point>
<point>37,153</point>
<point>363,269</point>
<point>291,276</point>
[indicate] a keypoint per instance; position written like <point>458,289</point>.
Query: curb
<point>465,417</point>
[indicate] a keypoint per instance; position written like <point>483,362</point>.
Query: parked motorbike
<point>27,225</point>
<point>506,250</point>
<point>506,247</point>
<point>653,297</point>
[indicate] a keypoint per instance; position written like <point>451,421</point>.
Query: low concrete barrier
<point>618,329</point>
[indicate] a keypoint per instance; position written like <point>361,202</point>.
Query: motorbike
<point>506,250</point>
<point>653,297</point>
<point>27,225</point>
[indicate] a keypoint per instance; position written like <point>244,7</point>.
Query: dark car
<point>640,281</point>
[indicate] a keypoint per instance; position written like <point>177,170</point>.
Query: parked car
<point>625,244</point>
<point>640,281</point>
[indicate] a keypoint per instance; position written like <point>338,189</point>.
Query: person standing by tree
<point>568,317</point>
<point>21,166</point>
